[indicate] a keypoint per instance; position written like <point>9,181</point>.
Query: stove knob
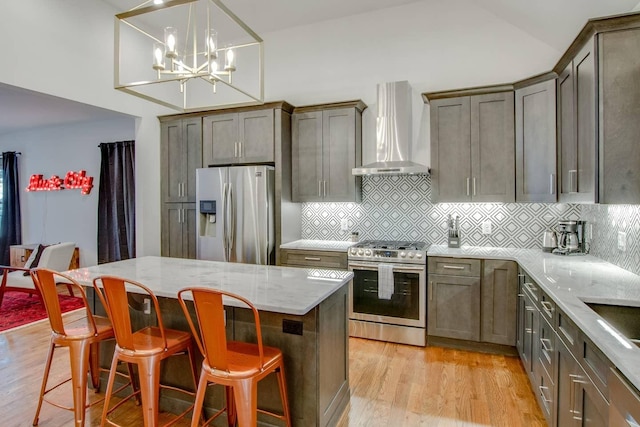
<point>367,252</point>
<point>360,252</point>
<point>353,251</point>
<point>419,255</point>
<point>410,254</point>
<point>403,254</point>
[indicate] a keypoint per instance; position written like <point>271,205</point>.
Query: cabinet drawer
<point>454,266</point>
<point>296,258</point>
<point>532,289</point>
<point>596,365</point>
<point>568,333</point>
<point>625,402</point>
<point>548,351</point>
<point>544,390</point>
<point>548,308</point>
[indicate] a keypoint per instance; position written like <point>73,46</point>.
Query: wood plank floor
<point>391,385</point>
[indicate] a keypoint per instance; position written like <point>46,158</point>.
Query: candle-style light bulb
<point>170,40</point>
<point>230,64</point>
<point>158,57</point>
<point>212,44</point>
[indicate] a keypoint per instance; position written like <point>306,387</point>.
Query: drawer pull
<point>312,258</point>
<point>548,308</point>
<point>453,267</point>
<point>566,334</point>
<point>546,344</point>
<point>544,398</point>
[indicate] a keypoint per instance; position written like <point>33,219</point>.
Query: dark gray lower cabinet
<point>453,309</point>
<point>625,402</point>
<point>179,230</point>
<point>498,307</point>
<point>579,401</point>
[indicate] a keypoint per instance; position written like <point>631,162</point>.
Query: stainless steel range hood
<point>393,133</point>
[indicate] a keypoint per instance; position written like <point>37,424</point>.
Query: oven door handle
<point>395,268</point>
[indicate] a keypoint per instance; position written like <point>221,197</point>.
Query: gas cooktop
<point>389,251</point>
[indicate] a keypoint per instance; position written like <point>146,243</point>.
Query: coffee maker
<point>571,238</point>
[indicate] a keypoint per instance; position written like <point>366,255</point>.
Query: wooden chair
<point>238,366</point>
<point>146,347</point>
<point>54,257</point>
<point>81,336</point>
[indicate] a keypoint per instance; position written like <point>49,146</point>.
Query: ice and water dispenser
<point>207,218</point>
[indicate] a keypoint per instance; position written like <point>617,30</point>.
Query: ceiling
<point>553,22</point>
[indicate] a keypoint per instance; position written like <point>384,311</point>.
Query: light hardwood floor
<point>391,385</point>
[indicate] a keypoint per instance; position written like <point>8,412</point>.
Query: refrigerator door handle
<point>225,217</point>
<point>232,221</point>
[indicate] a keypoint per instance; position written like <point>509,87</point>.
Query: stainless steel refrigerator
<point>236,214</point>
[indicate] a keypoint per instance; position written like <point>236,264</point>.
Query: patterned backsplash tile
<point>607,221</point>
<point>400,208</point>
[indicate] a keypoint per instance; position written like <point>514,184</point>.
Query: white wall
<point>66,215</point>
<point>65,48</point>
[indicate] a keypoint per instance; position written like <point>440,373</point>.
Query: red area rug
<point>19,308</point>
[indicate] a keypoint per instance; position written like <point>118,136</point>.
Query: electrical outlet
<point>147,306</point>
<point>486,227</point>
<point>344,224</point>
<point>622,241</point>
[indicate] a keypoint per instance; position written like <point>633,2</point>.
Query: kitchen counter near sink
<point>319,245</point>
<point>569,281</point>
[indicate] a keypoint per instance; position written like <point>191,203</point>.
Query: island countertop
<point>283,290</point>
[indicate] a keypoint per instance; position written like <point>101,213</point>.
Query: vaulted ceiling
<point>554,22</point>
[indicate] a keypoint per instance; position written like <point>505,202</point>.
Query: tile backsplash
<point>400,208</point>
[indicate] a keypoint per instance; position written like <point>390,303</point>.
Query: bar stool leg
<point>94,366</point>
<point>79,356</point>
<point>200,393</point>
<point>109,390</point>
<point>232,417</point>
<point>149,374</point>
<point>45,377</point>
<point>282,384</point>
<point>245,395</point>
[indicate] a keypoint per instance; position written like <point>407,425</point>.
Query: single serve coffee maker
<point>571,238</point>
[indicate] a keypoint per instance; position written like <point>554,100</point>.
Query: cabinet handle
<point>552,183</point>
<point>548,308</point>
<point>546,347</point>
<point>324,188</point>
<point>235,149</point>
<point>319,188</point>
<point>474,185</point>
<point>544,398</point>
<point>532,289</point>
<point>239,148</point>
<point>467,186</point>
<point>312,258</point>
<point>431,290</point>
<point>566,334</point>
<point>453,267</point>
<point>575,380</point>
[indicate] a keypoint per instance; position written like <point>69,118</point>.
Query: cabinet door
<point>256,136</point>
<point>192,137</point>
<point>492,148</point>
<point>567,143</point>
<point>306,168</point>
<point>536,143</point>
<point>220,139</point>
<point>520,331</point>
<point>339,154</point>
<point>453,309</point>
<point>498,310</point>
<point>189,217</point>
<point>568,373</point>
<point>619,126</point>
<point>529,344</point>
<point>450,150</point>
<point>586,113</point>
<point>172,238</point>
<point>173,161</point>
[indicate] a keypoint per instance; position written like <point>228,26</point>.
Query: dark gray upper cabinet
<point>472,148</point>
<point>620,112</point>
<point>237,138</point>
<point>181,154</point>
<point>536,143</point>
<point>577,131</point>
<point>326,145</point>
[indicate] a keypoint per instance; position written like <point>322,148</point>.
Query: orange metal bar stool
<point>146,347</point>
<point>81,336</point>
<point>236,365</point>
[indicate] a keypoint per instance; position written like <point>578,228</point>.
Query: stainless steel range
<point>388,300</point>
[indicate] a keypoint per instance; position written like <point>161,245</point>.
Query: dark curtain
<point>10,223</point>
<point>116,204</point>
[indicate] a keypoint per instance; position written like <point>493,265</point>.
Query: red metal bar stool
<point>146,348</point>
<point>82,337</point>
<point>238,366</point>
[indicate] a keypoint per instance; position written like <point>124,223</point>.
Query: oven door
<point>407,305</point>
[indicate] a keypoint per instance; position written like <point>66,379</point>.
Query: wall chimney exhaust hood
<point>393,133</point>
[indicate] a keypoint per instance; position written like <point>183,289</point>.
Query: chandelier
<point>188,55</point>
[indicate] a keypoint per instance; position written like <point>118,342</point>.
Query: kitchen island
<point>302,311</point>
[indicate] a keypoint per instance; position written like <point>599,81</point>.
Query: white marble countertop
<point>570,281</point>
<point>284,290</point>
<point>319,245</point>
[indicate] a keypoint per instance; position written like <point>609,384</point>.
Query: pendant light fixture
<point>202,55</point>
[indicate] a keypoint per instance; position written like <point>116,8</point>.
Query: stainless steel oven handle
<point>399,269</point>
